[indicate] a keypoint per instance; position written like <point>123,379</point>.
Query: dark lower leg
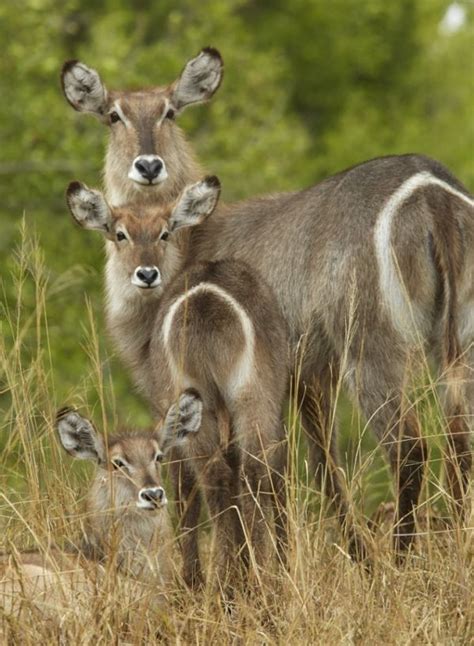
<point>188,506</point>
<point>411,455</point>
<point>233,459</point>
<point>320,425</point>
<point>256,505</point>
<point>278,496</point>
<point>218,485</point>
<point>458,461</point>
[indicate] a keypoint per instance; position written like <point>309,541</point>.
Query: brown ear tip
<point>73,187</point>
<point>192,392</point>
<point>212,51</point>
<point>212,181</point>
<point>68,65</point>
<point>62,412</point>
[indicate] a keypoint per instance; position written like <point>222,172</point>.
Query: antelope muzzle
<point>148,170</point>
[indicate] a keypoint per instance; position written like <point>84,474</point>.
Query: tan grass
<point>322,598</point>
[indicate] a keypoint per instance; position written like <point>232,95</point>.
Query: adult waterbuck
<point>127,524</point>
<point>368,266</point>
<point>213,326</point>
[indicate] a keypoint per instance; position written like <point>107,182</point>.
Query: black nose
<point>152,495</point>
<point>149,169</point>
<point>147,275</point>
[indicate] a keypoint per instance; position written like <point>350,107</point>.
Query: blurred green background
<point>310,87</point>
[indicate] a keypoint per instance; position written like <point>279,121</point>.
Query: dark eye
<point>170,114</point>
<point>118,464</point>
<point>121,236</point>
<point>165,235</point>
<point>159,457</point>
<point>114,117</point>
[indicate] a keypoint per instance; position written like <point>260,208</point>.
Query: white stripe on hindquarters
<point>403,313</point>
<point>244,368</point>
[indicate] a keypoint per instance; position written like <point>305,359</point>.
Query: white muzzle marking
<point>146,277</point>
<point>152,498</point>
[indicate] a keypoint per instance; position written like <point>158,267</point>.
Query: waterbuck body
<point>367,266</point>
<point>220,331</point>
<point>212,326</point>
<point>370,267</point>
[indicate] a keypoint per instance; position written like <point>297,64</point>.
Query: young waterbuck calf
<point>214,327</point>
<point>126,502</point>
<point>126,516</point>
<point>369,267</point>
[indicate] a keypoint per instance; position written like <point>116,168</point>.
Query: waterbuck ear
<point>199,79</point>
<point>78,436</point>
<point>182,418</point>
<point>88,207</point>
<point>195,203</point>
<point>83,88</point>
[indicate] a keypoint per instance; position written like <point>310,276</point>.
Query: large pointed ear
<point>83,88</point>
<point>195,203</point>
<point>199,79</point>
<point>88,207</point>
<point>78,436</point>
<point>182,419</point>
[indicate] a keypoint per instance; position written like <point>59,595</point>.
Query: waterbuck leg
<point>320,424</point>
<point>458,462</point>
<point>233,458</point>
<point>458,458</point>
<point>217,480</point>
<point>260,434</point>
<point>278,468</point>
<point>377,389</point>
<point>188,499</point>
<point>408,461</point>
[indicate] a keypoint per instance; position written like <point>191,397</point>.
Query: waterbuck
<point>369,266</point>
<point>126,516</point>
<point>215,327</point>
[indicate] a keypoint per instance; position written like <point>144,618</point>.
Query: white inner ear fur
<point>79,437</point>
<point>196,202</point>
<point>198,81</point>
<point>84,89</point>
<point>90,209</point>
<point>182,418</point>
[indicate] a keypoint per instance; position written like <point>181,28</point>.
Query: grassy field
<point>321,598</point>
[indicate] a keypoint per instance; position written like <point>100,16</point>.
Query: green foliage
<point>310,87</point>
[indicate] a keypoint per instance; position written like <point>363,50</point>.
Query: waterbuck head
<point>147,156</point>
<point>128,476</point>
<point>148,241</point>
